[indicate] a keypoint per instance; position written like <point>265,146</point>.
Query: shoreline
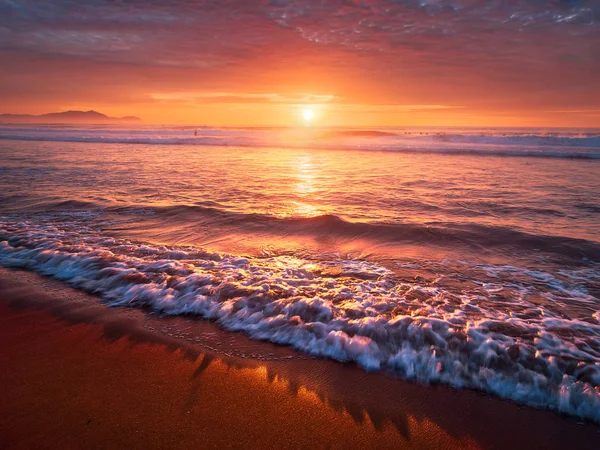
<point>81,373</point>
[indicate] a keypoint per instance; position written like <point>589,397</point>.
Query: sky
<point>264,62</point>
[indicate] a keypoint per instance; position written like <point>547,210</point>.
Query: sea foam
<point>491,143</point>
<point>488,334</point>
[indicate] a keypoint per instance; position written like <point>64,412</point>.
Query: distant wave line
<point>535,152</point>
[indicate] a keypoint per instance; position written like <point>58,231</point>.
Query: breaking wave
<point>501,329</point>
<point>476,236</point>
<point>569,145</point>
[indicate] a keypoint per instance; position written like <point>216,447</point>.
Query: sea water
<point>469,257</point>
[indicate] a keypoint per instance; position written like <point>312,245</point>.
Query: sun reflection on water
<point>305,189</point>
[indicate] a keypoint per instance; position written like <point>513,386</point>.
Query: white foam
<point>489,337</point>
<point>569,145</point>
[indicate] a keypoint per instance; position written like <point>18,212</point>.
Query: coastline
<point>80,373</point>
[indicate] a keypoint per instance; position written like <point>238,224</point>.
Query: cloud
<point>576,111</point>
<point>485,54</point>
<point>239,97</point>
<point>371,108</point>
<point>236,29</point>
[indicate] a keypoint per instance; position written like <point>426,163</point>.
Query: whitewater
<point>558,143</point>
<point>439,256</point>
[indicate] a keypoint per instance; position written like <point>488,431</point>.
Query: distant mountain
<point>67,117</point>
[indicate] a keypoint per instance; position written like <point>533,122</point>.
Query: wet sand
<point>79,374</point>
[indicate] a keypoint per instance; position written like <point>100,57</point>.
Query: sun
<point>308,114</point>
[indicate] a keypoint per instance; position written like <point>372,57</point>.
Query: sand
<point>76,373</point>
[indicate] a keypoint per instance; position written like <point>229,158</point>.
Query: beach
<point>348,296</point>
<point>78,373</point>
<point>300,224</point>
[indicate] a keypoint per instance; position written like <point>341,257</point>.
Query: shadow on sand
<point>372,397</point>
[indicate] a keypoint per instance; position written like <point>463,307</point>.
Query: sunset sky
<point>353,62</point>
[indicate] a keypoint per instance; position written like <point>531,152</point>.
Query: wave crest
<point>476,236</point>
<point>480,337</point>
<point>570,145</point>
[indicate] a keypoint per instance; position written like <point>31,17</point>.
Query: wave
<point>357,133</point>
<point>523,140</point>
<point>521,145</point>
<point>475,236</point>
<point>487,334</point>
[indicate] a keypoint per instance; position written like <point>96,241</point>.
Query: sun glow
<point>308,114</point>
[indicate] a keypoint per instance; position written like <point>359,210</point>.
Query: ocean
<point>467,257</point>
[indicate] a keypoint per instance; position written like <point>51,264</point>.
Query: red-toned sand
<point>77,374</point>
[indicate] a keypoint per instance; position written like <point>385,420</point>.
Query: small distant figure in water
<point>195,132</point>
